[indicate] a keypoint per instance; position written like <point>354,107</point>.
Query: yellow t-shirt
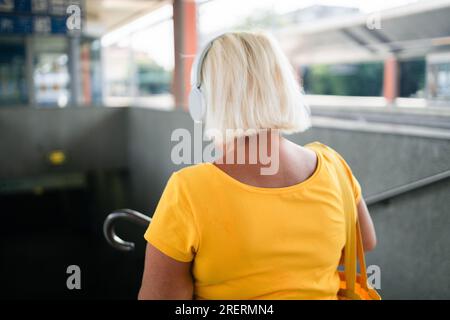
<point>250,242</point>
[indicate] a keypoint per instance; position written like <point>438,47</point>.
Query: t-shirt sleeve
<point>172,229</point>
<point>353,181</point>
<point>356,187</point>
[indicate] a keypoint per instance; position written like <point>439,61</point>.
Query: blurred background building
<point>91,90</point>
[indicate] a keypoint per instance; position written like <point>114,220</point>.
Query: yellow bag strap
<point>353,249</point>
<point>361,257</point>
<point>350,248</point>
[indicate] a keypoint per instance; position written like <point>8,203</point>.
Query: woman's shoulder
<point>318,145</point>
<point>194,171</point>
<point>321,147</point>
<point>328,153</point>
<point>194,175</point>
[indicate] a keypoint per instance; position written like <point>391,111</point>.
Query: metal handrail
<point>143,220</point>
<point>122,214</point>
<point>394,192</point>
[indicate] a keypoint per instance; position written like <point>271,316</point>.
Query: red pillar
<point>185,36</point>
<point>86,74</point>
<point>390,83</point>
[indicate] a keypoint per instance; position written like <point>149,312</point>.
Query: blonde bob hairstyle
<point>249,85</point>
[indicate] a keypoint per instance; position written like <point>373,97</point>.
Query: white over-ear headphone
<point>197,101</point>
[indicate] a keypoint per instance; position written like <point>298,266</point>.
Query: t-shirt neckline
<point>290,188</point>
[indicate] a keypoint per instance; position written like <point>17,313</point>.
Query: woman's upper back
<point>250,241</point>
<point>289,164</point>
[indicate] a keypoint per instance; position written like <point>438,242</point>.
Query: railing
<point>127,215</point>
<point>143,220</point>
<point>397,191</point>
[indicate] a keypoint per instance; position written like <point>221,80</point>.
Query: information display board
<point>36,16</point>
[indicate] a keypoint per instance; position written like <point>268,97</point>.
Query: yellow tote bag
<point>353,285</point>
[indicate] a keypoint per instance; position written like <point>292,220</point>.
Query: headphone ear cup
<point>197,104</point>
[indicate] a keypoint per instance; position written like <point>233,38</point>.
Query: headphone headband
<point>196,71</point>
<point>197,101</point>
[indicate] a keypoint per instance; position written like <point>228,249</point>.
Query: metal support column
<point>75,71</point>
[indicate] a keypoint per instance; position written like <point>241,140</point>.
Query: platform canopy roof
<point>413,30</point>
<point>106,15</point>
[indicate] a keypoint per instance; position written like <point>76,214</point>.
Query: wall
<point>50,229</point>
<point>92,138</point>
<point>412,229</point>
<point>149,148</point>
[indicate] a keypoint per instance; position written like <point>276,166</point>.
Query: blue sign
<point>32,24</point>
<point>22,6</point>
<point>59,25</point>
<point>35,16</point>
<point>23,25</point>
<point>15,25</point>
<point>6,24</point>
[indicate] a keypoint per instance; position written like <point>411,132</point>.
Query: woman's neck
<point>261,150</point>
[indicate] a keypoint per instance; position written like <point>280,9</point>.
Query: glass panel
<point>13,88</point>
<point>139,61</point>
<point>439,81</point>
<point>412,78</point>
<point>51,72</point>
<point>344,79</point>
